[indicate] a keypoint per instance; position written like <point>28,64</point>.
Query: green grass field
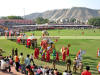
<point>89,45</point>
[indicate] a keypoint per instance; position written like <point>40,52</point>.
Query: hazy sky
<point>16,7</point>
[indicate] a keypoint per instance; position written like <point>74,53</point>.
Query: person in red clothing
<point>37,49</point>
<point>87,71</point>
<point>35,54</point>
<point>43,56</point>
<point>62,49</point>
<point>28,43</point>
<point>19,39</point>
<point>10,34</point>
<point>48,56</point>
<point>68,51</point>
<point>57,56</point>
<point>64,55</point>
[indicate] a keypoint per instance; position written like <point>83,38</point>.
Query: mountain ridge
<point>80,13</point>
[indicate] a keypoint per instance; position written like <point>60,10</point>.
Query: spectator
<point>74,65</point>
<point>65,73</point>
<point>59,73</point>
<point>43,70</point>
<point>55,72</point>
<point>80,66</point>
<point>8,63</point>
<point>30,72</point>
<point>4,65</point>
<point>11,60</point>
<point>22,63</point>
<point>77,61</point>
<point>70,73</point>
<point>53,64</point>
<point>68,64</point>
<point>87,71</point>
<point>51,72</point>
<point>27,60</point>
<point>47,72</point>
<point>16,59</point>
<point>31,59</point>
<point>39,70</point>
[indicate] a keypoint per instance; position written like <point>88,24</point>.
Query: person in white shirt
<point>5,65</point>
<point>65,73</point>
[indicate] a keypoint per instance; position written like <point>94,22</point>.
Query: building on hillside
<point>67,21</point>
<point>64,21</point>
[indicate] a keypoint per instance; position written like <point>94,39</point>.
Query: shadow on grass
<point>92,63</point>
<point>60,62</point>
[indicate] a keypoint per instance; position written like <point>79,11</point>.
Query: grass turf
<point>90,46</point>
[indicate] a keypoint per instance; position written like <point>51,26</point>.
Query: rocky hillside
<point>80,13</point>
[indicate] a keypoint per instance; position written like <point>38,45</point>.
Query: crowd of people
<point>27,65</point>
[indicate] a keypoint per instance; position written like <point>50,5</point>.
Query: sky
<point>25,7</point>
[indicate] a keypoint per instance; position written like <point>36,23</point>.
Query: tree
<point>94,21</point>
<point>3,17</point>
<point>12,17</point>
<point>72,20</point>
<point>41,20</point>
<point>46,20</point>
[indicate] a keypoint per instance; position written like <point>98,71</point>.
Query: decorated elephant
<point>45,33</point>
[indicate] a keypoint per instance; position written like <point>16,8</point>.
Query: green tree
<point>12,17</point>
<point>46,20</point>
<point>3,17</point>
<point>72,20</point>
<point>41,20</point>
<point>94,21</point>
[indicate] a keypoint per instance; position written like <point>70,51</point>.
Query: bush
<point>94,21</point>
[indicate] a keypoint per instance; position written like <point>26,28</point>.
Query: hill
<point>80,13</point>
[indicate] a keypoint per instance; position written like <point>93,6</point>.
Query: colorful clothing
<point>28,42</point>
<point>86,73</point>
<point>67,51</point>
<point>43,56</point>
<point>48,56</point>
<point>57,56</point>
<point>16,59</point>
<point>35,54</point>
<point>64,55</point>
<point>18,39</point>
<point>22,60</point>
<point>98,67</point>
<point>54,54</point>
